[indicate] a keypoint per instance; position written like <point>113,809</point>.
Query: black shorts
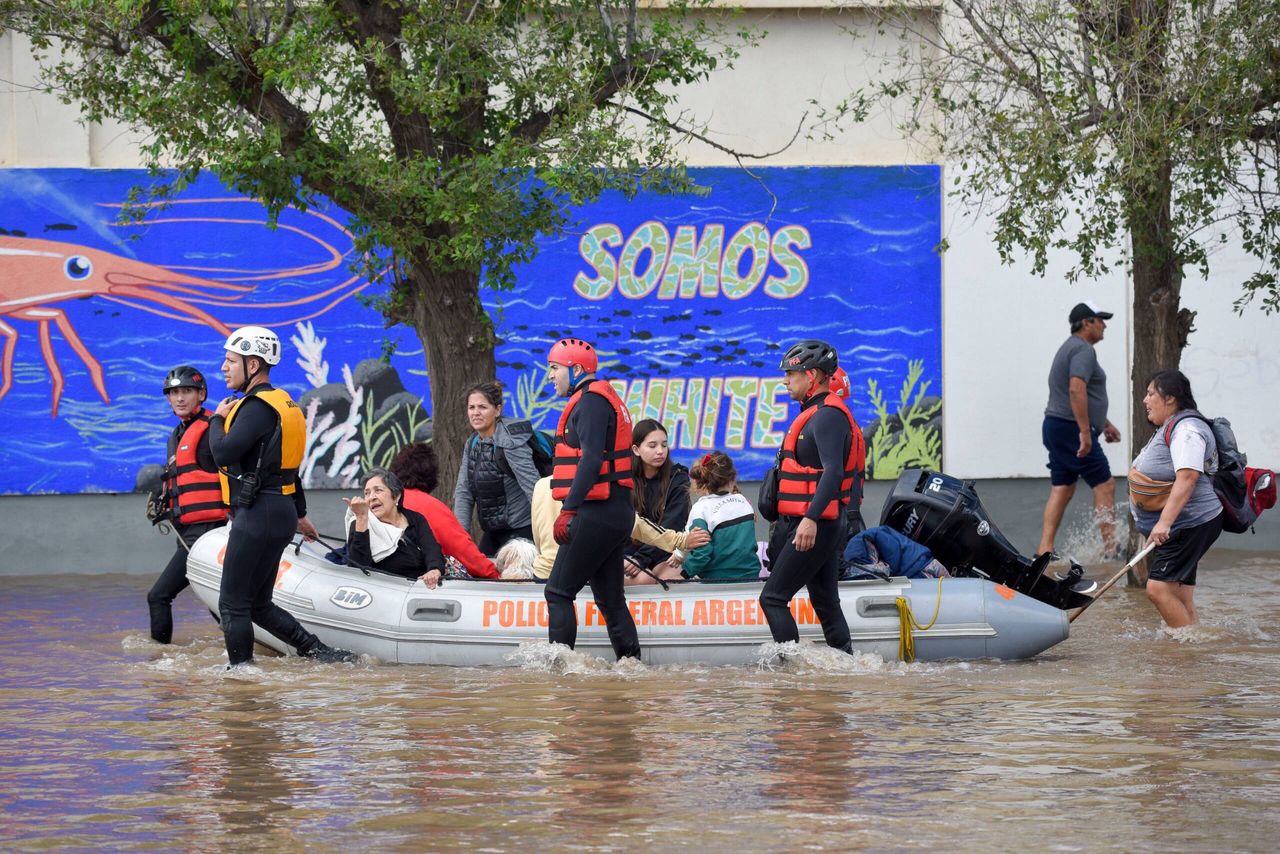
<point>1177,559</point>
<point>1062,439</point>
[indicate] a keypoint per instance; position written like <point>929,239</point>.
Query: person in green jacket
<point>723,511</point>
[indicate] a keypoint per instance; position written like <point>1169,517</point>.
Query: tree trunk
<point>458,340</point>
<point>1160,325</point>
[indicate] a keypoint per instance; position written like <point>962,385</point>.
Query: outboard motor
<point>946,516</point>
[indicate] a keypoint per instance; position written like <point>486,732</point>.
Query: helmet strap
<point>248,377</point>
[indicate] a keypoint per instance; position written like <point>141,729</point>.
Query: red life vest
<point>196,493</point>
<point>797,483</point>
<point>616,466</point>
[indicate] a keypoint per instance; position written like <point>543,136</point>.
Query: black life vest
<point>616,465</point>
<point>797,483</point>
<point>486,479</point>
<point>195,492</point>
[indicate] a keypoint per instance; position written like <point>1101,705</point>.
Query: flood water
<point>1125,737</point>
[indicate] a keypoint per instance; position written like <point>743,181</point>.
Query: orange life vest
<point>285,448</point>
<point>797,484</point>
<point>196,493</point>
<point>616,466</point>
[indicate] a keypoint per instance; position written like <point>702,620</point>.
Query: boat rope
<point>907,622</point>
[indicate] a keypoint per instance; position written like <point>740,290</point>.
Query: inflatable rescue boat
<point>483,622</point>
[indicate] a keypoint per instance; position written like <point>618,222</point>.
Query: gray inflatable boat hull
<point>471,623</point>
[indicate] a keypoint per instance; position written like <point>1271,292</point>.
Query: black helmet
<point>185,376</point>
<point>810,355</point>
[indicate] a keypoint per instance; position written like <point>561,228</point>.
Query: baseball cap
<point>1086,310</point>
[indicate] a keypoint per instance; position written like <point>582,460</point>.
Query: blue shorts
<point>1062,439</point>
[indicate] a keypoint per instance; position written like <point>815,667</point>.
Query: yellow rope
<point>907,621</point>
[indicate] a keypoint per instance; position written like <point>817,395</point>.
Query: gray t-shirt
<point>1190,447</point>
<point>1076,358</point>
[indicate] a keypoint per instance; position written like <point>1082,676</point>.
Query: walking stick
<point>1132,563</point>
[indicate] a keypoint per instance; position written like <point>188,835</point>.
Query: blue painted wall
<point>690,300</point>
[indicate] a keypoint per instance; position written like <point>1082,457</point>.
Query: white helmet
<point>255,341</point>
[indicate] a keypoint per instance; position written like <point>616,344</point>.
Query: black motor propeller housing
<point>945,515</point>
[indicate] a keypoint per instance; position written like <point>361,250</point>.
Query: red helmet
<point>839,384</point>
<point>574,351</point>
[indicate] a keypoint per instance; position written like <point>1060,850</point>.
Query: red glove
<point>561,530</point>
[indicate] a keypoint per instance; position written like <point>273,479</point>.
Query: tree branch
<point>738,156</point>
<point>360,22</point>
<point>1268,132</point>
<point>264,103</point>
<point>612,81</point>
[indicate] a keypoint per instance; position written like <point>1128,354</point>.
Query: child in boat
<point>728,516</point>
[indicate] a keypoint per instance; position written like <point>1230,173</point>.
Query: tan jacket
<point>546,509</point>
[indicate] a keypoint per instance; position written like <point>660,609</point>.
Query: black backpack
<point>1244,491</point>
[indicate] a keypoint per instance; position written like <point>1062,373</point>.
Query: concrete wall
<point>1002,325</point>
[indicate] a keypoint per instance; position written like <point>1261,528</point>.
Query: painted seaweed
<point>911,437</point>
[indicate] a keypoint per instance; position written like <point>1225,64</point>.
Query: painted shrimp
<point>37,274</point>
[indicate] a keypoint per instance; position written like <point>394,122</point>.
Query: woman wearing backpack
<point>498,472</point>
<point>1171,495</point>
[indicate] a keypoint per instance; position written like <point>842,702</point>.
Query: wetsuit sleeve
<point>590,421</point>
<point>359,552</point>
<point>700,558</point>
<point>299,498</point>
<point>675,514</point>
<point>455,541</point>
<point>462,500</point>
<point>832,436</point>
<point>204,456</point>
<point>255,419</point>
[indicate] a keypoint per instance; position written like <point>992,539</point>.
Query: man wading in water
<point>818,464</point>
<point>259,440</point>
<point>592,476</point>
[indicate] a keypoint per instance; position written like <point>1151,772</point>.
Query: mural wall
<point>690,301</point>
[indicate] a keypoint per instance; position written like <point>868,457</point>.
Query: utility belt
<point>250,487</point>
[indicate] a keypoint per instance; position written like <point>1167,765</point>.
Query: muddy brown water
<point>1125,737</point>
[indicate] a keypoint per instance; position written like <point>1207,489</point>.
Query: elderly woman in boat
<point>383,534</point>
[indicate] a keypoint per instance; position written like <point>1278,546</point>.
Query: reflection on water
<point>1127,736</point>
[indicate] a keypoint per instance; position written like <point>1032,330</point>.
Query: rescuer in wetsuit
<point>592,477</point>
<point>822,457</point>
<point>259,441</point>
<point>191,496</point>
<point>839,386</point>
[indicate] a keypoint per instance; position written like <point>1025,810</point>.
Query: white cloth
<point>384,539</point>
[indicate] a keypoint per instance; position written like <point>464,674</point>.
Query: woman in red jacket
<point>418,470</point>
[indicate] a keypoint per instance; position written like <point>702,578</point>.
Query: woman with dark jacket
<point>498,473</point>
<point>384,535</point>
<point>661,495</point>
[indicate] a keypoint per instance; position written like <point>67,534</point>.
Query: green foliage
<point>909,437</point>
<point>1145,132</point>
<point>455,133</point>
